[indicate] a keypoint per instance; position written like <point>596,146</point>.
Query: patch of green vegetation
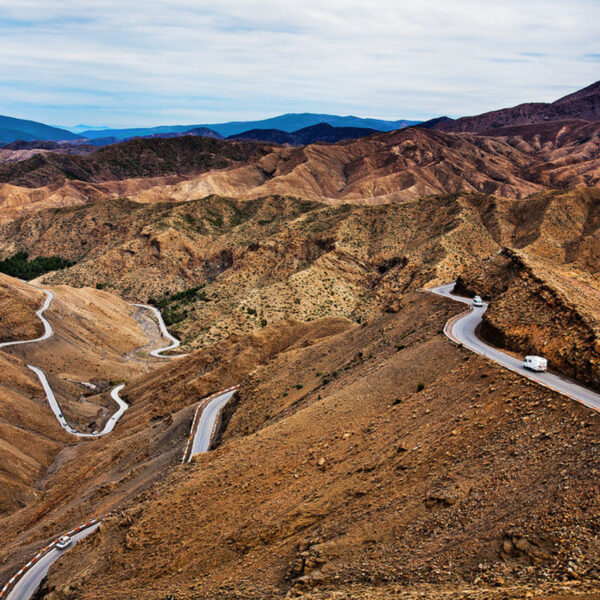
<point>183,297</point>
<point>20,266</point>
<point>172,305</point>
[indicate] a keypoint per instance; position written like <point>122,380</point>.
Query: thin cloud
<point>177,61</point>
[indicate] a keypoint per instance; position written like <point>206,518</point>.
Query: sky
<point>123,63</point>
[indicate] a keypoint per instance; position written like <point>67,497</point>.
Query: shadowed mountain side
<point>583,104</point>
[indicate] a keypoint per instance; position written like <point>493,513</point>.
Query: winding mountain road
<point>33,574</point>
<point>123,406</point>
<point>54,405</point>
<point>461,329</point>
<point>40,313</point>
<point>28,583</point>
<point>25,583</point>
<point>175,343</point>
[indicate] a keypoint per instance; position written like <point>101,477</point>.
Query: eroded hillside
<point>381,168</point>
<point>350,466</point>
<point>246,264</point>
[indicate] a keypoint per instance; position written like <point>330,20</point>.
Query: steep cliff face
<point>537,308</point>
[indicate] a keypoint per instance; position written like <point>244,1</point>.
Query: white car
<point>477,301</point>
<point>64,542</point>
<point>535,363</point>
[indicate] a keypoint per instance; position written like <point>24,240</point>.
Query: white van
<point>64,542</point>
<point>477,301</point>
<point>535,363</point>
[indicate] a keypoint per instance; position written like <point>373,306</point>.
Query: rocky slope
<point>351,467</point>
<point>257,261</point>
<point>85,347</point>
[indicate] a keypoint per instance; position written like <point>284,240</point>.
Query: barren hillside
<point>246,264</point>
<point>382,168</point>
<point>350,466</point>
<point>86,347</point>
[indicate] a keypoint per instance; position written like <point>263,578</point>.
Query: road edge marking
<point>200,405</point>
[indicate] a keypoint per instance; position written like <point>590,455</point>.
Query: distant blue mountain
<point>289,122</point>
<point>80,128</point>
<point>12,129</point>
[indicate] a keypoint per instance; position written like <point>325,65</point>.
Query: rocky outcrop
<point>537,308</point>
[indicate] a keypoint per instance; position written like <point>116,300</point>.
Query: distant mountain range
<point>286,128</point>
<point>289,122</point>
<point>305,128</point>
<point>12,129</point>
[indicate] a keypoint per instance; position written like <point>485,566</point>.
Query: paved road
<point>207,422</point>
<point>54,405</point>
<point>28,584</point>
<point>462,329</point>
<point>48,332</point>
<point>40,313</point>
<point>175,343</point>
<point>33,577</point>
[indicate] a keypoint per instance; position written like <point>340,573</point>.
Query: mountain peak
<point>590,90</point>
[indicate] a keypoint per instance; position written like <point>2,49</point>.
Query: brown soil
<point>338,472</point>
<point>93,331</point>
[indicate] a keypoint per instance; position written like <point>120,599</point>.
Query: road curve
<point>203,435</point>
<point>55,407</point>
<point>28,583</point>
<point>461,329</point>
<point>175,343</point>
<point>40,313</point>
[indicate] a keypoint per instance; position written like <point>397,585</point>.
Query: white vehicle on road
<point>64,542</point>
<point>535,363</point>
<point>477,301</point>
